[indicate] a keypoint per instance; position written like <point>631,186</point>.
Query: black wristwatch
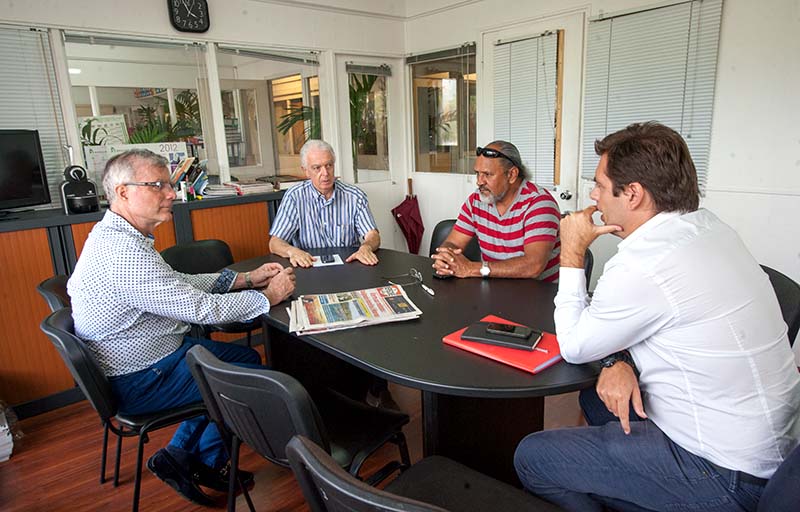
<point>624,356</point>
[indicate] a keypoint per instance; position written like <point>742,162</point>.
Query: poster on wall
<point>97,156</point>
<point>110,129</point>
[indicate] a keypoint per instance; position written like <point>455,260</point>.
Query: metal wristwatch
<point>485,270</point>
<point>611,360</point>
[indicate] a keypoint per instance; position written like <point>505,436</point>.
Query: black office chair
<point>782,494</point>
<point>588,265</point>
<point>54,291</point>
<point>788,293</point>
<point>440,232</point>
<point>206,257</point>
<point>87,373</point>
<point>434,484</point>
<point>265,408</point>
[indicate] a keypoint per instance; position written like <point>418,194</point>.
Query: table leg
<point>481,433</point>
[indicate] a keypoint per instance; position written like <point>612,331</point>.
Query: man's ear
<point>121,191</point>
<point>636,195</point>
<point>513,174</point>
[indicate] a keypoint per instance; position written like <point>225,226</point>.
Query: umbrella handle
<point>410,188</point>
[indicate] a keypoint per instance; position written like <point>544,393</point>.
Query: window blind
<point>525,101</point>
<point>655,65</point>
<point>29,96</point>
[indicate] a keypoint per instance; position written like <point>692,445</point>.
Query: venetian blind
<point>655,65</point>
<point>525,101</point>
<point>29,96</point>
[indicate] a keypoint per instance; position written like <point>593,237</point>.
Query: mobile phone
<point>326,258</point>
<point>479,332</point>
<point>516,331</point>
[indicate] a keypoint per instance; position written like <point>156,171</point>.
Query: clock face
<point>189,15</point>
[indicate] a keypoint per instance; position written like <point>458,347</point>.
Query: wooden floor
<point>56,465</point>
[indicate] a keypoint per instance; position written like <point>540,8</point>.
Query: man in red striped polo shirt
<point>515,221</point>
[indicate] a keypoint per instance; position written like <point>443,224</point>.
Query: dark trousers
<point>587,468</point>
<point>169,383</point>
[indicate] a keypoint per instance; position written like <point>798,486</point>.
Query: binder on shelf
<point>529,361</point>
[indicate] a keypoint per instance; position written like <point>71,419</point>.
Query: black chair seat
<point>473,250</point>
<point>352,427</point>
<point>434,484</point>
<point>160,419</point>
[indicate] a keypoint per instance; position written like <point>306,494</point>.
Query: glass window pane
<point>239,112</point>
<point>444,114</point>
<point>368,127</point>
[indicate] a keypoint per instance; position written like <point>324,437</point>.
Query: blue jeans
<point>587,468</point>
<point>169,383</point>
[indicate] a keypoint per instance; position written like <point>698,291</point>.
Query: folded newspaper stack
<point>344,310</point>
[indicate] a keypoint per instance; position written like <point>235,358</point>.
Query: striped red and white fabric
<point>533,217</point>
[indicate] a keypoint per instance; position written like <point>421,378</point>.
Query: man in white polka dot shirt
<point>133,310</point>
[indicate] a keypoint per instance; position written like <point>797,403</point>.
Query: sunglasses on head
<point>493,153</point>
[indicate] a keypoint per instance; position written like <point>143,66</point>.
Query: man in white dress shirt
<point>691,338</point>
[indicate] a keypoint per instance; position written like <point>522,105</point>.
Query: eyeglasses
<point>158,185</point>
<point>413,273</point>
<point>493,153</point>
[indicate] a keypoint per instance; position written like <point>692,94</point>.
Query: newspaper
<point>344,310</point>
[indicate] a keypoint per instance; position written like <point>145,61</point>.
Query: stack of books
<point>6,441</point>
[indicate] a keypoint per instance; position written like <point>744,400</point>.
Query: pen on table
<point>428,289</point>
<point>541,350</point>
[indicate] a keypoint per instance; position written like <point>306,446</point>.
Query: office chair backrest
<point>788,294</point>
<point>263,408</point>
<point>329,488</point>
<point>198,257</point>
<point>80,361</point>
<point>782,494</point>
<point>54,291</point>
<point>440,232</point>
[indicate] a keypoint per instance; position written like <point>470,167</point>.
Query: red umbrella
<point>408,217</point>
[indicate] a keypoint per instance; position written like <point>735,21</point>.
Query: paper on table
<point>337,260</point>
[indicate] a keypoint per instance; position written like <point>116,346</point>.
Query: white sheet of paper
<point>337,260</point>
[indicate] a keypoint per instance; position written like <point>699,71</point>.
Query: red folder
<point>531,361</point>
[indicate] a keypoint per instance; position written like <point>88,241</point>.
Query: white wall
<point>754,179</point>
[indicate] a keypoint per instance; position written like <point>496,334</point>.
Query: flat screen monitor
<point>23,178</point>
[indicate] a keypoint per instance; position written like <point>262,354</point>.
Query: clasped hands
<point>274,281</point>
<point>449,261</point>
<point>300,258</point>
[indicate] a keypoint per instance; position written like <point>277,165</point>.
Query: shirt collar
<point>118,222</point>
<point>319,195</point>
<point>651,224</point>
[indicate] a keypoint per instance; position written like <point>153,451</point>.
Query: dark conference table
<point>475,410</point>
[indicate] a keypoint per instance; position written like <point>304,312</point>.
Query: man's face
<point>149,205</point>
<point>492,180</point>
<point>612,207</point>
<point>319,169</point>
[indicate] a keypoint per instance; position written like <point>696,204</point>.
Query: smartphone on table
<point>504,335</point>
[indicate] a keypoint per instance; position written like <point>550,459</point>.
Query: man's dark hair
<point>656,157</point>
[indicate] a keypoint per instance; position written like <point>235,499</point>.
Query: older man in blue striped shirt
<point>323,212</point>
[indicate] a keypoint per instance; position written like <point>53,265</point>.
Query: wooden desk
<point>474,410</point>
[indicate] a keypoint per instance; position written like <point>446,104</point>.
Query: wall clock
<point>189,15</point>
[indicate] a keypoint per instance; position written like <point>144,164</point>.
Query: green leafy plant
<point>93,137</point>
<point>159,130</point>
<point>300,115</point>
<point>360,87</point>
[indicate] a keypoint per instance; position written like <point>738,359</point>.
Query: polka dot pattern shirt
<point>133,309</point>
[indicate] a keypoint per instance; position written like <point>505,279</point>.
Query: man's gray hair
<point>315,144</point>
<point>511,151</point>
<point>122,168</point>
